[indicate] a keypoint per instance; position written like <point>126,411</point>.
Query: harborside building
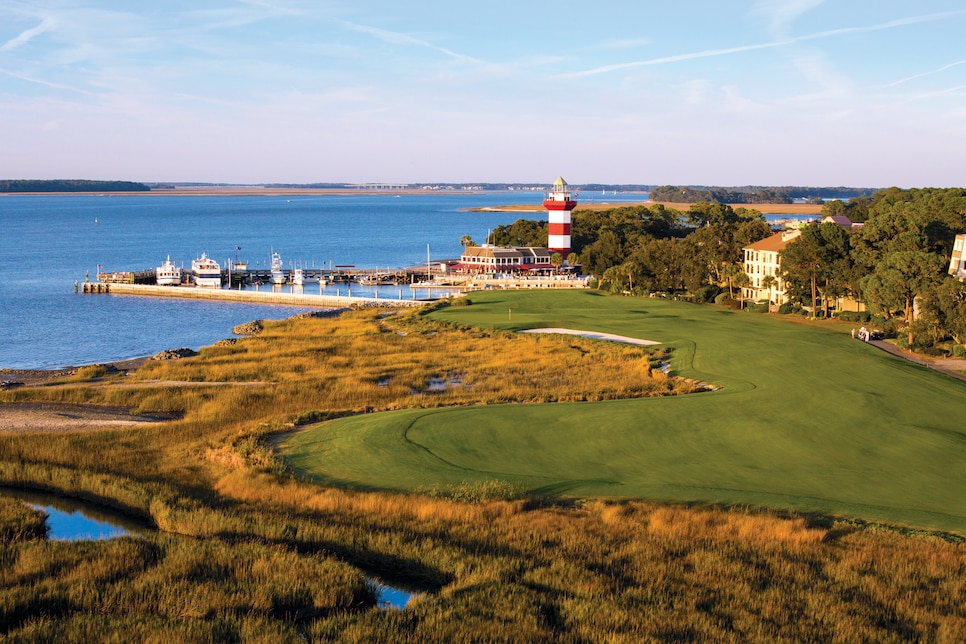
<point>487,259</point>
<point>763,260</point>
<point>957,265</point>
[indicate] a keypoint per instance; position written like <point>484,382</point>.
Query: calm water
<point>49,242</point>
<point>70,520</point>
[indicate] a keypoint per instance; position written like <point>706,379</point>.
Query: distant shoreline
<point>770,208</point>
<point>249,191</point>
<point>255,191</point>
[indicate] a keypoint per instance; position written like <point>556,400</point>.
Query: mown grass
<point>805,419</point>
<point>249,552</point>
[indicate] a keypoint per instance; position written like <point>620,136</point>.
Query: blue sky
<point>767,92</point>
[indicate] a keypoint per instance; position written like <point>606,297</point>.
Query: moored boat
<point>206,272</point>
<point>277,275</point>
<point>167,274</point>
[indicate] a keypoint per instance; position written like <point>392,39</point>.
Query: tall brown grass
<point>250,552</point>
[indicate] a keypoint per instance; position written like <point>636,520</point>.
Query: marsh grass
<point>18,522</point>
<point>176,583</point>
<point>249,552</point>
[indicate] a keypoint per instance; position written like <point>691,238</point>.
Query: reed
<point>249,551</point>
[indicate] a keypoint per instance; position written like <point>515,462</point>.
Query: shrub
<point>312,417</point>
<point>757,307</point>
<point>707,294</point>
<point>959,351</point>
<point>853,316</point>
<point>791,309</point>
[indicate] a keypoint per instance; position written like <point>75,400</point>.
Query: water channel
<point>72,520</point>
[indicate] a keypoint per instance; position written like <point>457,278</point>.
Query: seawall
<point>255,297</point>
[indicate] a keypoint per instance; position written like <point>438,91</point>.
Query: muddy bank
<point>24,418</point>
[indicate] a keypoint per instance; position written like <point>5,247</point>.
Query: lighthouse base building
<point>488,259</point>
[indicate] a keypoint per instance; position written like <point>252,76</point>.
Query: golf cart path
<point>942,366</point>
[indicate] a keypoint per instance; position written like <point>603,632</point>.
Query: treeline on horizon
<point>677,194</point>
<point>755,194</point>
<point>70,185</point>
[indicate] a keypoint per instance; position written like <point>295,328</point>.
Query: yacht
<point>168,274</point>
<point>277,275</point>
<point>207,272</point>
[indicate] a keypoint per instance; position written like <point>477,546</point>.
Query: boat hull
<point>169,280</point>
<point>208,281</point>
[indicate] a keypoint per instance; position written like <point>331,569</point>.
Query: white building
<point>957,265</point>
<point>763,260</point>
<point>497,259</point>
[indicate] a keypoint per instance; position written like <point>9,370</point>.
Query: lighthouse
<point>559,205</point>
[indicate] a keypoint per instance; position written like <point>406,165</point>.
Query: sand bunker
<point>594,335</point>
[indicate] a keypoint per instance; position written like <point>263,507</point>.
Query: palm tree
<point>557,260</point>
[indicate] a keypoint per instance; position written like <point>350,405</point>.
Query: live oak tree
<point>898,279</point>
<point>817,262</point>
<point>903,250</point>
<point>942,311</point>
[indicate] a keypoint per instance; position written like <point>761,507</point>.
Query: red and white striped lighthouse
<point>559,204</point>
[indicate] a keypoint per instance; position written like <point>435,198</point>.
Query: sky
<point>864,93</point>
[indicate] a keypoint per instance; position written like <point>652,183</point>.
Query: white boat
<point>207,272</point>
<point>168,274</point>
<point>277,276</point>
<point>298,278</point>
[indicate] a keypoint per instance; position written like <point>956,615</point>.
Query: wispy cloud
<point>27,35</point>
<point>708,53</point>
<point>729,51</point>
<point>625,43</point>
<point>397,38</point>
<point>781,14</point>
<point>923,74</point>
<point>45,83</point>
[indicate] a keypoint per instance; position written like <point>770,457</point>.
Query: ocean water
<point>47,243</point>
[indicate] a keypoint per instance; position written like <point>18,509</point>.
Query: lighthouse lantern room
<point>559,205</point>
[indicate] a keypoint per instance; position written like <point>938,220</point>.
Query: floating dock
<point>252,297</point>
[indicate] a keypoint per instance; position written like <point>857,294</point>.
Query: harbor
<point>240,274</point>
<point>414,294</point>
<point>207,280</point>
<point>293,297</point>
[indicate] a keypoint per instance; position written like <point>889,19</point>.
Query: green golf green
<point>805,419</point>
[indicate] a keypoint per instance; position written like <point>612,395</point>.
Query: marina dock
<point>267,296</point>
